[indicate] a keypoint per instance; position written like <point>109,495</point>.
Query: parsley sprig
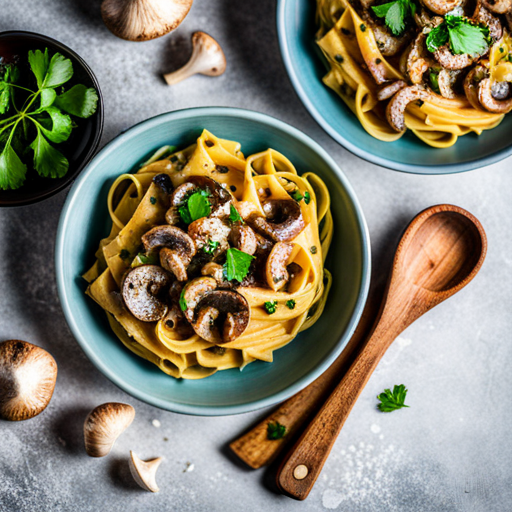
<point>396,14</point>
<point>195,207</point>
<point>275,431</point>
<point>237,265</point>
<point>463,36</point>
<point>44,112</point>
<point>391,401</point>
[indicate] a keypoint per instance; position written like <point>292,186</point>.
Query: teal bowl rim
<point>359,151</point>
<point>294,388</point>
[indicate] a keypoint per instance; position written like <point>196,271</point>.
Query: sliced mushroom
<point>276,272</point>
<point>283,220</point>
<point>27,380</point>
<point>389,44</point>
<point>447,81</point>
<point>175,320</point>
<point>175,246</point>
<point>246,208</point>
<point>450,61</point>
<point>221,316</point>
<point>490,103</point>
<point>244,239</point>
<point>500,90</point>
<point>193,292</point>
<point>389,90</point>
<point>217,272</point>
<point>483,16</point>
<point>207,59</point>
<point>104,425</point>
<point>141,20</point>
<point>418,63</point>
<point>471,81</point>
<point>209,229</point>
<point>395,110</point>
<point>498,6</point>
<point>143,291</point>
<point>220,199</point>
<point>441,7</point>
<point>144,472</point>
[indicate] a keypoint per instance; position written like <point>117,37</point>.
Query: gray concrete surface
<point>451,451</point>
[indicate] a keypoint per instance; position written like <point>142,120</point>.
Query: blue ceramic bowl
<point>85,221</point>
<point>305,64</point>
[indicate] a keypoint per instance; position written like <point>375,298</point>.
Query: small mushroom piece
<point>484,17</point>
<point>498,6</point>
<point>275,269</point>
<point>244,239</point>
<point>450,61</point>
<point>143,292</point>
<point>207,59</point>
<point>221,316</point>
<point>471,82</point>
<point>389,90</point>
<point>144,472</point>
<point>490,103</point>
<point>208,229</point>
<point>395,111</point>
<point>103,425</point>
<point>216,271</point>
<point>283,220</point>
<point>194,291</point>
<point>447,80</point>
<point>441,7</point>
<point>27,380</point>
<point>175,246</point>
<point>142,20</point>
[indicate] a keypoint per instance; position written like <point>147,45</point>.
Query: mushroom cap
<point>283,220</point>
<point>194,291</point>
<point>103,425</point>
<point>172,237</point>
<point>142,20</point>
<point>143,292</point>
<point>275,269</point>
<point>489,102</point>
<point>27,380</point>
<point>144,472</point>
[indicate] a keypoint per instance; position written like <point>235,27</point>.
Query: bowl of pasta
<point>212,261</point>
<point>415,87</point>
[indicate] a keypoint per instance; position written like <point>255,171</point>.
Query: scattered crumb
<point>156,423</point>
<point>375,428</point>
<point>189,468</point>
<point>166,439</point>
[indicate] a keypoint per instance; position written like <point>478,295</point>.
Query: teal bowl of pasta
<point>306,66</point>
<point>85,220</point>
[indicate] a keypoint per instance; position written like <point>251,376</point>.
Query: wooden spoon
<point>440,252</point>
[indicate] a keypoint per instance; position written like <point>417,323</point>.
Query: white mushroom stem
<point>27,380</point>
<point>104,425</point>
<point>141,20</point>
<point>207,59</point>
<point>144,472</point>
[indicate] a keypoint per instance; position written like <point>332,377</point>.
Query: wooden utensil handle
<point>302,465</point>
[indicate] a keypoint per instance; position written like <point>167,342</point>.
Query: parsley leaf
<point>61,124</point>
<point>12,169</point>
<point>391,401</point>
<point>275,431</point>
<point>464,37</point>
<point>234,216</point>
<point>297,195</point>
<point>196,206</point>
<point>237,264</point>
<point>183,302</point>
<point>39,63</point>
<point>307,197</point>
<point>271,306</point>
<point>396,14</point>
<point>210,246</point>
<point>48,161</point>
<point>434,80</point>
<point>10,76</point>
<point>79,101</point>
<point>144,259</point>
<point>60,70</point>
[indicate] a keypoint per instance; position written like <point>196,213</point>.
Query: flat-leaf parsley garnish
<point>196,206</point>
<point>271,306</point>
<point>275,431</point>
<point>40,113</point>
<point>234,216</point>
<point>183,302</point>
<point>237,264</point>
<point>391,401</point>
<point>210,246</point>
<point>395,14</point>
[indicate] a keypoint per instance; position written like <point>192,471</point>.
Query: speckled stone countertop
<point>450,451</point>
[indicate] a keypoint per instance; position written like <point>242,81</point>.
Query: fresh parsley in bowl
<point>51,117</point>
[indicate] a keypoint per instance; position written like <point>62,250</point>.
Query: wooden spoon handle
<point>302,465</point>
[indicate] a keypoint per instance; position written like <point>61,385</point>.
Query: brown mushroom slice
<point>447,80</point>
<point>441,7</point>
<point>490,103</point>
<point>389,90</point>
<point>275,270</point>
<point>216,271</point>
<point>244,239</point>
<point>395,111</point>
<point>499,6</point>
<point>204,324</point>
<point>471,81</point>
<point>484,17</point>
<point>193,292</point>
<point>500,90</point>
<point>175,321</point>
<point>175,246</point>
<point>450,61</point>
<point>143,292</point>
<point>418,63</point>
<point>389,45</point>
<point>209,229</point>
<point>233,311</point>
<point>283,220</point>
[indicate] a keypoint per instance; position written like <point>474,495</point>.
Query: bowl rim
<point>316,114</point>
<point>206,410</point>
<point>100,113</point>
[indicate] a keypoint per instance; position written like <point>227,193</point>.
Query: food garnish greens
<point>391,401</point>
<point>195,207</point>
<point>237,264</point>
<point>210,246</point>
<point>271,306</point>
<point>290,304</point>
<point>234,216</point>
<point>275,431</point>
<point>463,35</point>
<point>43,110</point>
<point>395,14</point>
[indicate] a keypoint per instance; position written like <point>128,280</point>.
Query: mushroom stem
<point>207,59</point>
<point>144,472</point>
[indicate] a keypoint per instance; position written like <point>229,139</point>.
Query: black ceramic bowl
<point>84,139</point>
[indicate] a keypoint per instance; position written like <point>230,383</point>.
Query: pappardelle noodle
<point>441,68</point>
<point>214,260</point>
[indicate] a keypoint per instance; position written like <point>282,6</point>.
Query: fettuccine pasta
<point>214,260</point>
<point>394,83</point>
